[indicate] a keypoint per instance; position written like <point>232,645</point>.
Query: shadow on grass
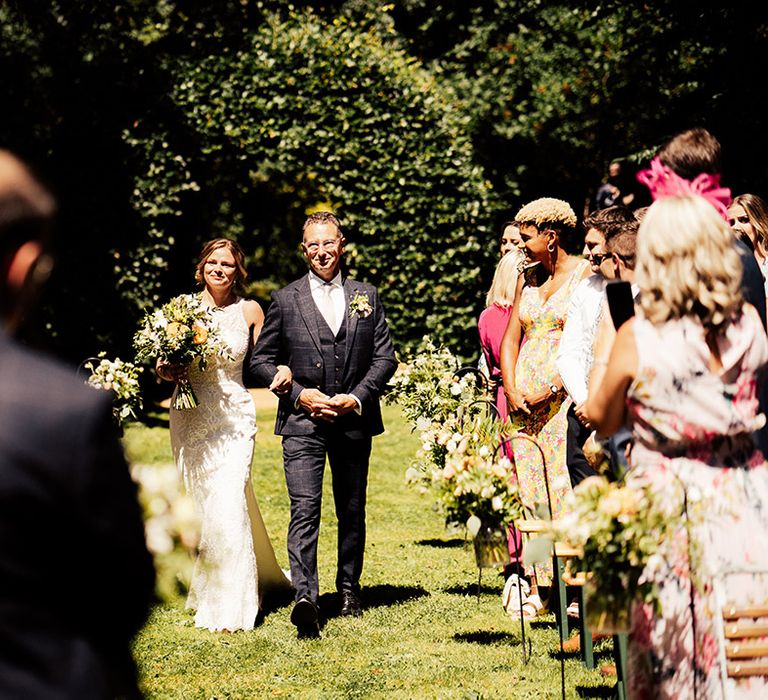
<point>604,655</point>
<point>601,692</point>
<point>275,602</point>
<point>373,597</point>
<point>471,589</point>
<point>487,638</point>
<point>543,624</point>
<point>155,420</point>
<point>454,543</point>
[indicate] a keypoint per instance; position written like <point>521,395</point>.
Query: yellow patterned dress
<point>542,325</point>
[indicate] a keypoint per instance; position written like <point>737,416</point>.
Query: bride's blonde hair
<point>687,264</point>
<point>504,285</point>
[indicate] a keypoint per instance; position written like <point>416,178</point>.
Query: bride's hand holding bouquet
<point>179,333</point>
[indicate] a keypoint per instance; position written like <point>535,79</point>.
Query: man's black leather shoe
<point>305,616</point>
<point>350,604</point>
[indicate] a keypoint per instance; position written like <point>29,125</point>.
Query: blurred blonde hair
<point>504,285</point>
<point>687,264</point>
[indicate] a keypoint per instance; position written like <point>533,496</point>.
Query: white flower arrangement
<point>473,483</point>
<point>171,524</point>
<point>427,388</point>
<point>122,379</point>
<point>458,461</point>
<point>623,533</point>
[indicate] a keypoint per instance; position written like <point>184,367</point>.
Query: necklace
<point>208,299</point>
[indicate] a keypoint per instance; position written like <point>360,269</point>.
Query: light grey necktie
<point>327,308</point>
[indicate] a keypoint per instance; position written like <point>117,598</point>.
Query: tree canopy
<point>422,124</point>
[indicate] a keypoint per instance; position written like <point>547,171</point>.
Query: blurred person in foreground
<point>76,579</point>
<point>684,374</point>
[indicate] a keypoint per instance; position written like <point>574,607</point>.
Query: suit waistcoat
<point>334,354</point>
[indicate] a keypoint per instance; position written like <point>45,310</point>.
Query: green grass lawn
<point>424,633</point>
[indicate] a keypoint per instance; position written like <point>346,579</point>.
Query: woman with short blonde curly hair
<point>684,374</point>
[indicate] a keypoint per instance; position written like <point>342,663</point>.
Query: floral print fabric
<point>542,324</point>
<point>692,431</point>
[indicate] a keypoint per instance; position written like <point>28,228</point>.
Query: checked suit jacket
<point>291,336</point>
<point>76,579</point>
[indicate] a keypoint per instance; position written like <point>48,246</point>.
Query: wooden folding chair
<point>744,651</point>
<point>746,640</point>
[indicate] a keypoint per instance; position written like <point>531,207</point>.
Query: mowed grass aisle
<point>424,634</point>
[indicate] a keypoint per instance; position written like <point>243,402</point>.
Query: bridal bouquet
<point>122,379</point>
<point>625,535</point>
<point>180,332</point>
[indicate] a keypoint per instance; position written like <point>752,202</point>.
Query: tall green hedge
<point>323,114</point>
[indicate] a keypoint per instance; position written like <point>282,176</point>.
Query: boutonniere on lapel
<point>360,305</point>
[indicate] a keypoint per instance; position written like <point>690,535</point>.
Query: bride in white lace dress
<point>213,447</point>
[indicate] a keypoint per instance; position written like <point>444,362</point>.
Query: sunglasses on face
<point>597,258</point>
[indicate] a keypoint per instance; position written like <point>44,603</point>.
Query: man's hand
<point>281,382</point>
<point>343,403</point>
<point>581,413</point>
<point>317,404</point>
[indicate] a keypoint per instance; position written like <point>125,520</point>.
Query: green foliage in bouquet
<point>180,332</point>
<point>122,379</point>
<point>625,533</point>
<point>427,389</point>
<point>460,464</point>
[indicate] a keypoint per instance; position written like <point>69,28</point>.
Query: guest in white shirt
<point>574,357</point>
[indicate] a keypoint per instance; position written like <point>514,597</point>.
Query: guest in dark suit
<point>76,580</point>
<point>332,333</point>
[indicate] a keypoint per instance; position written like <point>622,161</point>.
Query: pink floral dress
<point>692,432</point>
<point>542,323</point>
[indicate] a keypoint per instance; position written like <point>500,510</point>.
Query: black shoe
<point>305,616</point>
<point>350,604</point>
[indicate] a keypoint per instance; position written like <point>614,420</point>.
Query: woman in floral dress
<point>535,395</point>
<point>684,373</point>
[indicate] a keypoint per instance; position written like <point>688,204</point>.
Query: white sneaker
<point>515,594</point>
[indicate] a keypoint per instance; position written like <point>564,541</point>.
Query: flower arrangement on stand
<point>122,379</point>
<point>624,533</point>
<point>427,388</point>
<point>473,484</point>
<point>181,331</point>
<point>171,526</point>
<point>458,461</point>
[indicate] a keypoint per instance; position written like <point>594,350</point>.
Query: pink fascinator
<point>662,182</point>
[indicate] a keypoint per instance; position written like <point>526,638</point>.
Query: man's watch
<point>554,389</point>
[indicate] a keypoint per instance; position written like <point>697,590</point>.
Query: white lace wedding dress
<point>213,448</point>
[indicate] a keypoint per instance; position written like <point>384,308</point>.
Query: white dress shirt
<point>316,286</point>
<point>574,354</point>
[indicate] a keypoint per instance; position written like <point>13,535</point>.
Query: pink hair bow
<point>663,182</point>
